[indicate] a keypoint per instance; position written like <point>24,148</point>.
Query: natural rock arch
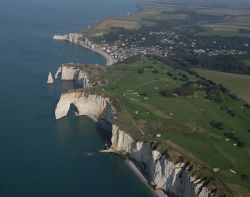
<point>94,106</point>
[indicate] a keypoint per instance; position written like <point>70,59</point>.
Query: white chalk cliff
<point>162,174</point>
<point>69,72</point>
<point>50,79</point>
<point>172,178</point>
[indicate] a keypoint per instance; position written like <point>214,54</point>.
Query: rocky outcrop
<point>72,73</point>
<point>161,173</point>
<point>50,79</point>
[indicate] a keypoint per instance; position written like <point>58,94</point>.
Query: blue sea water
<point>38,155</point>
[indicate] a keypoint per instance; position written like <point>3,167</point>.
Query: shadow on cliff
<point>104,129</point>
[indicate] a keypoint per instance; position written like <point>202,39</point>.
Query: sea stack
<point>50,79</point>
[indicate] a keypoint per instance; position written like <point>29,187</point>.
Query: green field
<point>229,21</point>
<point>145,94</point>
<point>238,84</point>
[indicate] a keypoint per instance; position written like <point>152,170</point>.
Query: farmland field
<point>230,21</point>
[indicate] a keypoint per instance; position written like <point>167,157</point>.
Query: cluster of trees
<point>232,64</point>
<point>180,91</point>
<point>228,110</point>
<point>213,90</point>
<point>184,91</point>
<point>233,137</point>
<point>166,93</point>
<point>217,124</point>
<point>224,63</point>
<point>244,31</point>
<point>140,70</point>
<point>220,126</point>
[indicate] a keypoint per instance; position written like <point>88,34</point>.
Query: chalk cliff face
<point>172,178</point>
<point>69,72</point>
<point>162,174</point>
<point>74,38</point>
<point>79,40</point>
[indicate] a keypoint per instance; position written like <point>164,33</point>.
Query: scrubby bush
<point>140,71</point>
<point>189,83</point>
<point>244,176</point>
<point>213,93</point>
<point>166,93</point>
<point>184,91</point>
<point>184,77</point>
<point>155,71</point>
<point>247,106</point>
<point>216,124</point>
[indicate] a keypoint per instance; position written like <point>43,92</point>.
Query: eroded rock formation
<point>50,79</point>
<point>93,106</point>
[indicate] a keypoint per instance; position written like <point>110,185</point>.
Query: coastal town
<point>164,44</point>
<point>118,45</point>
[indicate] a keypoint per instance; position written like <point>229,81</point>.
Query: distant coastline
<point>74,38</point>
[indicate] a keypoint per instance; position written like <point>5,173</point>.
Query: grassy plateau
<point>185,114</point>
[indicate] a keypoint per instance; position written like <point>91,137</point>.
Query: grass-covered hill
<point>185,115</point>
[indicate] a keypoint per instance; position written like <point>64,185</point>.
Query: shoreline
<point>109,59</point>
